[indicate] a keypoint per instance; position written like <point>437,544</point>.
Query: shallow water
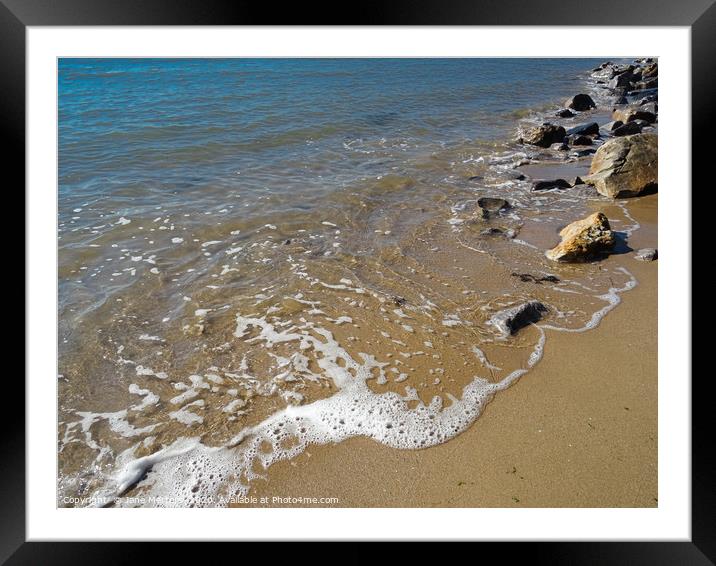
<point>255,255</point>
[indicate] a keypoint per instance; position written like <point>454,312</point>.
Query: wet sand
<point>579,430</point>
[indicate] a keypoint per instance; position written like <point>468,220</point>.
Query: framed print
<point>404,278</point>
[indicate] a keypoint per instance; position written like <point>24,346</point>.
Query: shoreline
<point>585,437</point>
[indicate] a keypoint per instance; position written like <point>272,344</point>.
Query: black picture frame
<point>699,15</point>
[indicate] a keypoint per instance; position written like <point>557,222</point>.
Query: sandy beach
<point>577,431</point>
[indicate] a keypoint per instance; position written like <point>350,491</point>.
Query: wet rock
<point>652,107</point>
<point>580,102</point>
<point>589,129</point>
<point>625,166</point>
<point>577,181</point>
<point>647,84</point>
<point>583,152</point>
<point>624,79</point>
<point>646,254</point>
<point>544,135</point>
<point>475,178</point>
<point>628,129</point>
<point>564,146</point>
<point>580,140</point>
<point>509,321</point>
<point>621,100</point>
<point>611,126</point>
<point>640,94</point>
<point>648,98</point>
<point>551,184</point>
<point>492,204</point>
<point>583,240</point>
<point>564,113</point>
<point>631,113</point>
<point>504,232</point>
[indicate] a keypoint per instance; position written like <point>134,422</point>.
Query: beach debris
<point>510,320</point>
<point>544,135</point>
<point>583,239</point>
<point>625,166</point>
<point>529,278</point>
<point>551,184</point>
<point>646,254</point>
<point>580,102</point>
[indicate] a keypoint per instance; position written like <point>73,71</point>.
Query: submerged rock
<point>492,204</point>
<point>646,254</point>
<point>529,278</point>
<point>544,135</point>
<point>580,102</point>
<point>625,166</point>
<point>583,240</point>
<point>513,319</point>
<point>552,184</point>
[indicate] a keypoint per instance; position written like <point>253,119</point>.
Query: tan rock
<point>625,166</point>
<point>583,239</point>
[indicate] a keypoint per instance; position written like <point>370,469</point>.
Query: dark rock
<point>398,301</point>
<point>544,135</point>
<point>507,233</point>
<point>564,146</point>
<point>611,126</point>
<point>577,181</point>
<point>584,129</point>
<point>287,242</point>
<point>564,113</point>
<point>475,178</point>
<point>646,254</point>
<point>580,102</point>
<point>513,319</point>
<point>648,98</point>
<point>552,184</point>
<point>583,152</point>
<point>493,204</point>
<point>516,175</point>
<point>581,140</point>
<point>624,79</point>
<point>627,129</point>
<point>620,101</point>
<point>640,94</point>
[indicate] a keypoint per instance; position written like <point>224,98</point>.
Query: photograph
<point>357,282</point>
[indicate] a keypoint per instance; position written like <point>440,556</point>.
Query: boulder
<point>624,79</point>
<point>514,318</point>
<point>553,184</point>
<point>583,240</point>
<point>628,129</point>
<point>650,71</point>
<point>647,84</point>
<point>646,254</point>
<point>621,100</point>
<point>625,166</point>
<point>652,107</point>
<point>580,102</point>
<point>544,135</point>
<point>564,113</point>
<point>631,113</point>
<point>584,129</point>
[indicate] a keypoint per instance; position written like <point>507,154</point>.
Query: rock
<point>633,113</point>
<point>581,140</point>
<point>647,84</point>
<point>475,178</point>
<point>640,94</point>
<point>624,79</point>
<point>577,181</point>
<point>652,107</point>
<point>564,113</point>
<point>628,129</point>
<point>519,176</point>
<point>584,129</point>
<point>398,301</point>
<point>646,254</point>
<point>621,100</point>
<point>641,123</point>
<point>583,240</point>
<point>544,135</point>
<point>553,184</point>
<point>492,204</point>
<point>507,233</point>
<point>648,98</point>
<point>625,166</point>
<point>513,319</point>
<point>583,152</point>
<point>611,126</point>
<point>650,71</point>
<point>580,102</point>
<point>564,146</point>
